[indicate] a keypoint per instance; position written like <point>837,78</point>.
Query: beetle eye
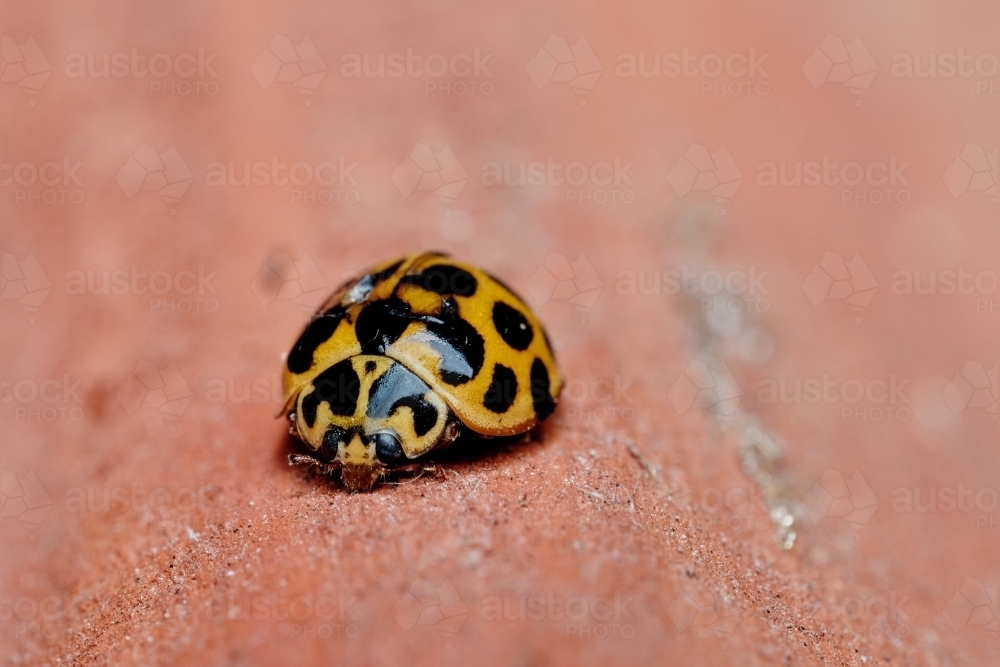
<point>331,439</point>
<point>387,448</point>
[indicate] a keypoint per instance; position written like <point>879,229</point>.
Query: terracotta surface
<point>149,516</point>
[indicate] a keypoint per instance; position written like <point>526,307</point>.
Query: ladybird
<point>397,361</point>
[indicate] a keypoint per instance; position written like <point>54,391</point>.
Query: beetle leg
<point>418,470</point>
<point>304,459</point>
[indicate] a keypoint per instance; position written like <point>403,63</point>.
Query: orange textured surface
<point>742,234</point>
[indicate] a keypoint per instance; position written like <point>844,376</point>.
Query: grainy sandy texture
<point>149,516</point>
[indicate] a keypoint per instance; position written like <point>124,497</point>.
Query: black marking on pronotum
<point>444,279</point>
<point>369,367</point>
<point>331,439</point>
<point>512,326</point>
<point>541,390</point>
<point>309,405</point>
<point>503,390</point>
<point>320,330</point>
<point>338,387</point>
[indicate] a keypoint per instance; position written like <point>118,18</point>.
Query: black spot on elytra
<point>512,326</point>
<point>381,323</point>
<point>320,330</point>
<point>541,390</point>
<point>424,414</point>
<point>369,367</point>
<point>503,390</point>
<point>444,279</point>
<point>338,387</point>
<point>461,347</point>
<point>386,272</point>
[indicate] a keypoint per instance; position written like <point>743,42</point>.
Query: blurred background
<point>763,240</point>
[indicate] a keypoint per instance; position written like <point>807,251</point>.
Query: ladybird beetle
<point>397,361</point>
